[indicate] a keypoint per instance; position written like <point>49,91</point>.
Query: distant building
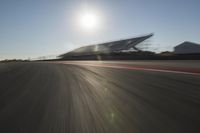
<point>187,48</point>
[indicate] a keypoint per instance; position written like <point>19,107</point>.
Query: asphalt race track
<point>100,97</point>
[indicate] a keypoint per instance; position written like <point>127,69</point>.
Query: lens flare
<point>89,20</point>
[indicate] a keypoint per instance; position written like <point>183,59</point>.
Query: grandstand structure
<point>109,47</point>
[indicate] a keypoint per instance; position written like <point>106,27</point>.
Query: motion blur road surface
<point>100,97</point>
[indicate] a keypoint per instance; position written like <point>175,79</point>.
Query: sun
<point>89,20</point>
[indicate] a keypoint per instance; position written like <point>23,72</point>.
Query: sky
<point>34,28</point>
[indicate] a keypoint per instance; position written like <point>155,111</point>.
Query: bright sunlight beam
<point>89,21</point>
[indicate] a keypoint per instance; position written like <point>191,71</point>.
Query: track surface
<point>59,97</point>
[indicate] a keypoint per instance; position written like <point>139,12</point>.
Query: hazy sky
<point>32,28</point>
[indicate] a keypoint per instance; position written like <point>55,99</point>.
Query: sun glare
<point>89,20</point>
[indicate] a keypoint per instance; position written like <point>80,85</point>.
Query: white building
<point>187,48</point>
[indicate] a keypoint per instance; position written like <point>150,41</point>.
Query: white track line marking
<point>132,68</point>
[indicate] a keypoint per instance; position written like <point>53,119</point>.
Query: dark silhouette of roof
<point>113,46</point>
<point>187,43</point>
<point>187,48</point>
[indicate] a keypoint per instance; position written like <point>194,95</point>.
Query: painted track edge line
<point>134,68</point>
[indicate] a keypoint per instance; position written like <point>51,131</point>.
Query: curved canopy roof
<point>119,45</point>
